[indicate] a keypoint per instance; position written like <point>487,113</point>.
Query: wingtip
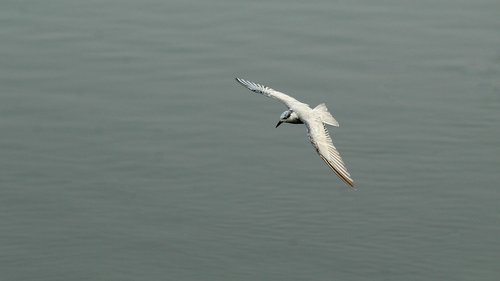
<point>246,83</point>
<point>345,178</point>
<point>352,186</point>
<point>348,181</point>
<point>240,81</point>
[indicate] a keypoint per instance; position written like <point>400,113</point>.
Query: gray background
<point>128,152</point>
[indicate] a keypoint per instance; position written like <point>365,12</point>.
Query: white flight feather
<point>321,140</point>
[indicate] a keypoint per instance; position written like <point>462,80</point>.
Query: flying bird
<point>314,119</point>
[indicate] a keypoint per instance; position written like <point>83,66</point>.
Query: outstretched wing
<point>269,92</point>
<point>320,139</point>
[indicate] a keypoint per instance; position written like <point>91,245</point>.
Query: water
<point>128,152</point>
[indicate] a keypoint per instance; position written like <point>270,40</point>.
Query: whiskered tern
<point>314,119</point>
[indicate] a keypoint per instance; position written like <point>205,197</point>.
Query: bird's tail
<point>326,117</point>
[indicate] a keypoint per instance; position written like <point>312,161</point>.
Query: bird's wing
<point>269,92</point>
<point>320,139</point>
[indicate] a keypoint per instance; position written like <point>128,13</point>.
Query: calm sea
<point>128,152</point>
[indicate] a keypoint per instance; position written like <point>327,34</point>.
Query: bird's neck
<point>294,119</point>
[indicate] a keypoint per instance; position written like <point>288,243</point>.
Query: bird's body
<point>314,119</point>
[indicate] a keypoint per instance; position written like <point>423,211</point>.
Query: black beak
<point>279,123</point>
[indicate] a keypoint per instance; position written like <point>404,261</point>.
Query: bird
<point>314,119</point>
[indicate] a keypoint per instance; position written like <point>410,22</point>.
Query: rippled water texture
<point>128,152</point>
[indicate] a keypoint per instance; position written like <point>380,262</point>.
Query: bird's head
<point>285,117</point>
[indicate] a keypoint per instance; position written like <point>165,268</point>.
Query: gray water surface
<point>128,152</point>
